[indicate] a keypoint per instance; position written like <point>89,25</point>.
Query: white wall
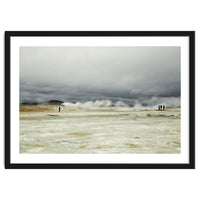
<point>99,15</point>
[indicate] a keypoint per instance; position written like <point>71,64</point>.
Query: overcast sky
<point>89,73</point>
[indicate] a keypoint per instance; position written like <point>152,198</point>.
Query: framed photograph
<point>100,99</point>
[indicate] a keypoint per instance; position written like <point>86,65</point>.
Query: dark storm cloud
<point>70,73</point>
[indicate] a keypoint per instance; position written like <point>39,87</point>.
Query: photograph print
<point>100,100</point>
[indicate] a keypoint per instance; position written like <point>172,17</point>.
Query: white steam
<point>97,103</point>
<point>121,104</point>
<point>173,102</point>
<point>170,102</point>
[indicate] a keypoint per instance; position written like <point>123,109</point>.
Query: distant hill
<point>51,102</point>
<point>54,102</point>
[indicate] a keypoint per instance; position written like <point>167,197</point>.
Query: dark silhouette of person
<point>59,108</point>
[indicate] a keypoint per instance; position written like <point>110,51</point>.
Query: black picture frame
<point>191,37</point>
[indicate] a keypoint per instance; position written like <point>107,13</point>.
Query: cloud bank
<point>99,73</point>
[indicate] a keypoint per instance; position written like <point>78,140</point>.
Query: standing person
<point>59,109</point>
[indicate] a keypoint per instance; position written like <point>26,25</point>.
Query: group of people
<point>161,107</point>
